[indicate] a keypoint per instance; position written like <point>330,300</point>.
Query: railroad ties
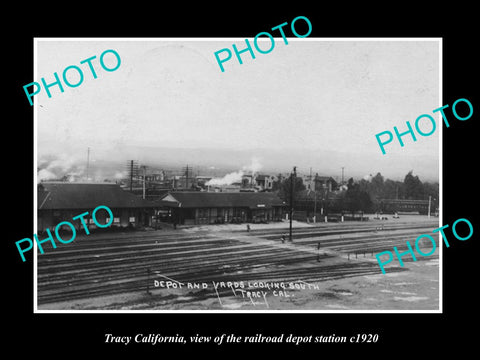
<point>115,263</point>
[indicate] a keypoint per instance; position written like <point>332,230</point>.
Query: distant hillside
<point>111,164</point>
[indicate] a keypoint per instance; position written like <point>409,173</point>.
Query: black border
<point>84,333</point>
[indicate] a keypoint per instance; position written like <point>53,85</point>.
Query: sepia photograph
<point>298,180</point>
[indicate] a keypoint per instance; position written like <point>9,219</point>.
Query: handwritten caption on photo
<point>255,292</point>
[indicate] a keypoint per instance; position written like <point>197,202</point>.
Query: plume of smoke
<point>60,167</point>
<point>254,166</point>
<point>45,174</point>
<point>236,176</point>
<point>228,179</point>
<point>120,175</point>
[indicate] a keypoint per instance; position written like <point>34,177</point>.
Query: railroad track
<point>112,264</point>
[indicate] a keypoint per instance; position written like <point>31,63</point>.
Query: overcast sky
<point>310,95</point>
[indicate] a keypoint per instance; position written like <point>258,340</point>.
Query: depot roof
<point>65,195</point>
<point>203,199</point>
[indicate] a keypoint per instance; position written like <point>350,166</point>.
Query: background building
<point>197,207</point>
<point>61,201</point>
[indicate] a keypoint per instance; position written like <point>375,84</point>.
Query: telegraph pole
<point>429,205</point>
<point>132,167</point>
<point>186,173</point>
<point>293,176</point>
<point>131,175</point>
<point>144,175</point>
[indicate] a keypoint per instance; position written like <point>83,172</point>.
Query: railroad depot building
<point>202,207</point>
<point>61,201</point>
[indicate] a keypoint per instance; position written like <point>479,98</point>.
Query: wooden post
<point>293,176</point>
<point>148,281</point>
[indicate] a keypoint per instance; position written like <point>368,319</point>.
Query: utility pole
<point>293,176</point>
<point>144,175</point>
<point>132,166</point>
<point>429,204</point>
<point>342,175</point>
<point>186,173</point>
<point>131,175</point>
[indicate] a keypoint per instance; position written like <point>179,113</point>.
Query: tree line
<point>363,195</point>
